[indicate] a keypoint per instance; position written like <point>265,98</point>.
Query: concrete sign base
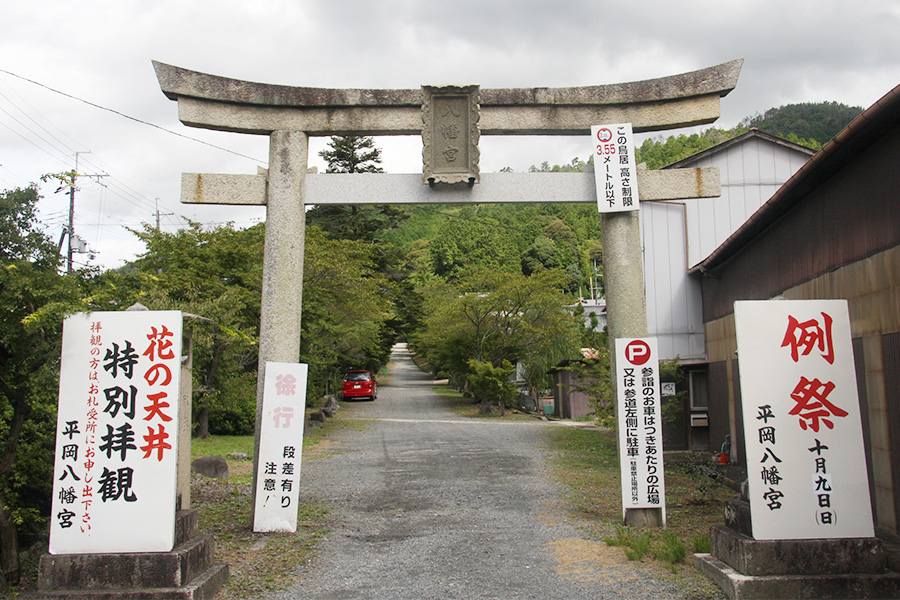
<point>187,572</point>
<point>745,568</point>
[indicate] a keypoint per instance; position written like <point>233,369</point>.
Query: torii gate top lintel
<point>215,102</point>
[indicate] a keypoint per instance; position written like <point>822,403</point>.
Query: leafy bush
<point>490,384</point>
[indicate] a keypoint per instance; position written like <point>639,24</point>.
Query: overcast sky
<point>100,51</point>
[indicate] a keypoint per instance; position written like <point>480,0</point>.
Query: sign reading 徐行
<point>615,171</point>
<point>280,447</point>
<point>640,424</point>
<point>805,455</point>
<point>115,467</point>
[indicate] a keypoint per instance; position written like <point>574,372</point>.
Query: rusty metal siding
<point>890,345</point>
<point>859,363</point>
<point>852,215</point>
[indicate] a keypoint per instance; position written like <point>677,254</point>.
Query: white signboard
<point>805,459</point>
<point>615,171</point>
<point>115,466</point>
<point>640,424</point>
<point>280,447</point>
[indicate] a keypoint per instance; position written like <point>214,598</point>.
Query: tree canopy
<point>33,300</point>
<point>809,124</point>
<point>354,154</point>
<point>818,121</point>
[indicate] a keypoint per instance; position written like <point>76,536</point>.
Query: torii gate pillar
<point>282,282</point>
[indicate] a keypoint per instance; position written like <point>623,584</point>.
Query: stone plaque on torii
<point>290,115</point>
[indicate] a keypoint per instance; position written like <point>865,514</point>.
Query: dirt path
<point>432,505</point>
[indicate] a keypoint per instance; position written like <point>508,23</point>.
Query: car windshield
<point>361,376</point>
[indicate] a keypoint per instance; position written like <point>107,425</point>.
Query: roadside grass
<point>585,461</point>
<point>465,407</point>
<point>258,562</point>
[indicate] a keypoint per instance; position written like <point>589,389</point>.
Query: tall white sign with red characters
<point>805,456</point>
<point>615,171</point>
<point>115,471</point>
<point>640,424</point>
<point>280,447</point>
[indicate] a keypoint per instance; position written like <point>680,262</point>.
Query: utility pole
<point>71,228</point>
<point>158,214</point>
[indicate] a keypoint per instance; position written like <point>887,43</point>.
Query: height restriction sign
<point>614,167</point>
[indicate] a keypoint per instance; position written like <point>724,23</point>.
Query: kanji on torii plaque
<point>289,115</point>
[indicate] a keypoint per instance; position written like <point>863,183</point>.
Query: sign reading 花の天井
<point>805,455</point>
<point>640,424</point>
<point>280,447</point>
<point>614,167</point>
<point>114,480</point>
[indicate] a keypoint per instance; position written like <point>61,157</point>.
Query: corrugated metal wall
<point>676,235</point>
<point>891,364</point>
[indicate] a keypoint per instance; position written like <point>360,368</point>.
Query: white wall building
<point>678,235</point>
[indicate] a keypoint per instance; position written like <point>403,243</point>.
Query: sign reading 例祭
<point>280,447</point>
<point>640,424</point>
<point>615,171</point>
<point>805,455</point>
<point>114,480</point>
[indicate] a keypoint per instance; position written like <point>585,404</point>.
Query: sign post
<point>280,448</point>
<point>115,465</point>
<point>640,426</point>
<point>615,177</point>
<point>802,425</point>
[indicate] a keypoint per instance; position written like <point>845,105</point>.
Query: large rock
<point>331,402</point>
<point>211,466</point>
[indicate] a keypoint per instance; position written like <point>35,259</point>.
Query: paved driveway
<point>432,505</point>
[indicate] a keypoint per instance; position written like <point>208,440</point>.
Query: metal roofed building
<point>677,235</point>
<point>831,231</point>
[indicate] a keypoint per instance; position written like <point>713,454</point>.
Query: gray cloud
<point>794,52</point>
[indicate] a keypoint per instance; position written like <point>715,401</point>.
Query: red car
<point>360,384</point>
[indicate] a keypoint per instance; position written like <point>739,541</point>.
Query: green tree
<point>215,274</point>
<point>347,309</point>
<point>466,243</point>
<point>541,254</point>
<point>811,123</point>
<point>492,317</point>
<point>490,384</point>
<point>354,154</point>
<point>33,300</point>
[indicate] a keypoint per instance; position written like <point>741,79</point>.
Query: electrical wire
<point>126,116</point>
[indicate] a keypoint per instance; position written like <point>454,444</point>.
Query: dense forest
<point>808,124</point>
<point>473,288</point>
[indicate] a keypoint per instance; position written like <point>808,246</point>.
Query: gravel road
<point>428,504</point>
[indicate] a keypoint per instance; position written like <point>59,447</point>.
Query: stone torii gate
<point>290,115</point>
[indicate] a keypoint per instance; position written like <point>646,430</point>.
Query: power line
<point>139,200</point>
<point>135,119</point>
<point>35,121</point>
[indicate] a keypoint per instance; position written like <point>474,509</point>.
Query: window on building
<point>699,383</point>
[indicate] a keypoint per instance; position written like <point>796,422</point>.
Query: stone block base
<point>787,557</point>
<point>745,568</point>
<point>738,586</point>
<point>187,572</point>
